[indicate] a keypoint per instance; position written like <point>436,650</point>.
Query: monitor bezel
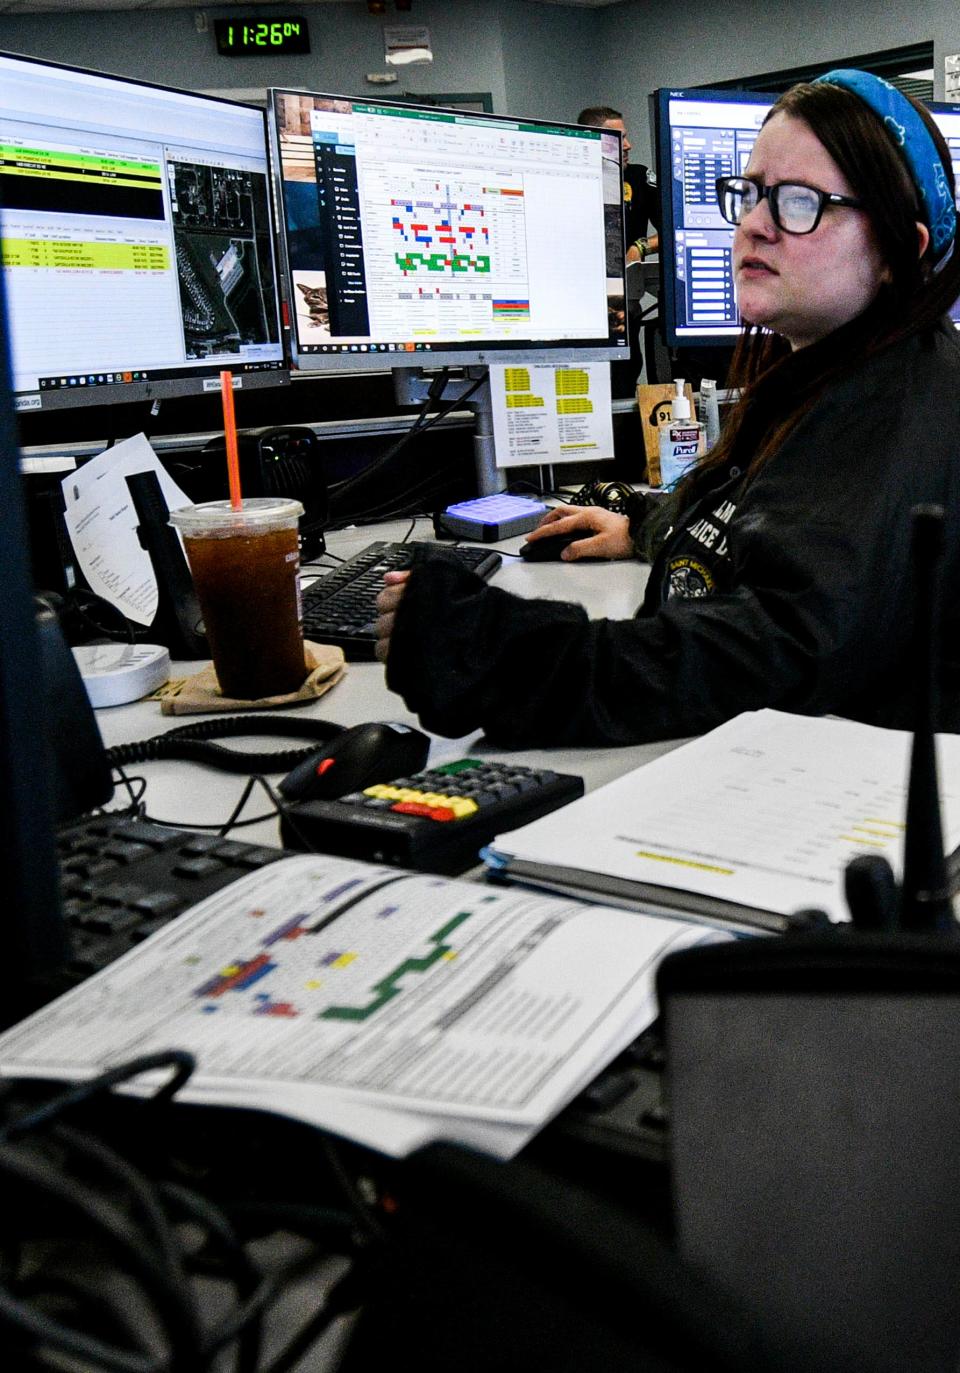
<point>205,378</point>
<point>947,107</point>
<point>567,353</point>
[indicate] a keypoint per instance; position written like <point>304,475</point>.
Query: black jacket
<point>641,205</point>
<point>793,590</point>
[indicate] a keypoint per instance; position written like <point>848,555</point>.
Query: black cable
<point>246,1327</point>
<point>109,1162</point>
<point>111,1226</point>
<point>398,505</point>
<point>179,1060</point>
<point>286,810</point>
<point>333,1306</point>
<point>358,1207</point>
<point>135,1227</point>
<point>391,509</point>
<point>136,797</point>
<point>234,816</point>
<point>205,825</point>
<point>194,743</point>
<point>42,1329</point>
<point>311,1222</point>
<point>420,426</point>
<point>437,387</point>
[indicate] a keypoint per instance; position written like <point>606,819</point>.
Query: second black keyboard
<point>340,607</point>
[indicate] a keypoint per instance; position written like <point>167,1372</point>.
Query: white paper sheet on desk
<point>764,812</point>
<point>102,523</point>
<point>388,1006</point>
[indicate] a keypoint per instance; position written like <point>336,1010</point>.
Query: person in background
<point>784,576</point>
<point>640,209</point>
<point>640,204</point>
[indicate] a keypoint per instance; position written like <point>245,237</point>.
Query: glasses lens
<point>736,198</point>
<point>797,207</point>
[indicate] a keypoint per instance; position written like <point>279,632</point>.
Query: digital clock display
<point>248,37</point>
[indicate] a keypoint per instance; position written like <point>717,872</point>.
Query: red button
<point>428,812</point>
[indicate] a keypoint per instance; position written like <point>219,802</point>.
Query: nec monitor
<point>136,239</point>
<point>423,236</point>
<point>948,121</point>
<point>700,136</point>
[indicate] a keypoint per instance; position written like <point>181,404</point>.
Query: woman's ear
<point>923,238</point>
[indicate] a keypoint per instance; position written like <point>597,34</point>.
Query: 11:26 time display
<point>247,37</point>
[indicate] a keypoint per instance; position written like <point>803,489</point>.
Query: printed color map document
<point>753,821</point>
<point>391,1008</point>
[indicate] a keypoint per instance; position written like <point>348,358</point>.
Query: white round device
<point>116,673</point>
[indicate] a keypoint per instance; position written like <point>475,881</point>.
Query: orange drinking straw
<point>230,434</point>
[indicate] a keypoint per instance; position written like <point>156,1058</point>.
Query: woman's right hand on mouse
<point>610,533</point>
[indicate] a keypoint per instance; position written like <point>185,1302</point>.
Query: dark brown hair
<point>595,116</point>
<point>913,300</point>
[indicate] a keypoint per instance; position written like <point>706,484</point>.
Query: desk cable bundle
<point>104,1267</point>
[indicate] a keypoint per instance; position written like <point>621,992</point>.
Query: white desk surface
<point>190,793</point>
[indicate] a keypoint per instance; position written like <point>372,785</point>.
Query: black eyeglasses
<point>794,207</point>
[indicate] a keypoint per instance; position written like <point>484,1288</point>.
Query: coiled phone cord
<point>194,742</point>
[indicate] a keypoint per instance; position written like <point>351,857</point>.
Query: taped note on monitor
<point>545,414</point>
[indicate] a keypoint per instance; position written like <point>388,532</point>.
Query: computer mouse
<point>375,752</point>
<point>548,550</point>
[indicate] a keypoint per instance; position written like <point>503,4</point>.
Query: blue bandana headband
<point>918,150</point>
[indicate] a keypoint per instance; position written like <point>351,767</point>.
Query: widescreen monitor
<point>416,236</point>
<point>136,239</point>
<point>700,136</point>
<point>948,122</point>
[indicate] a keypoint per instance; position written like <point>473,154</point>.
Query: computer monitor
<point>422,236</point>
<point>948,122</point>
<point>700,135</point>
<point>137,248</point>
<point>32,930</point>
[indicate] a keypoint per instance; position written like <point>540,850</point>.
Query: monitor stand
<point>411,387</point>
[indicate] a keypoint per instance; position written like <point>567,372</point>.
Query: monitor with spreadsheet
<point>700,135</point>
<point>417,235</point>
<point>136,239</point>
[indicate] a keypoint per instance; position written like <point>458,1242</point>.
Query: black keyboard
<point>121,879</point>
<point>340,607</point>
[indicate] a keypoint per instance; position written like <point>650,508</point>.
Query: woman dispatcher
<point>784,577</point>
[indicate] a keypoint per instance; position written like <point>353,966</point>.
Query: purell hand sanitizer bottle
<point>682,440</point>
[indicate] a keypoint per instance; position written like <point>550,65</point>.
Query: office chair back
<point>815,1118</point>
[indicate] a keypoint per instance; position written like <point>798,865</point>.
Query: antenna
<point>925,897</point>
<point>923,901</point>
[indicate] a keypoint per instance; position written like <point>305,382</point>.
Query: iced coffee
<point>245,564</point>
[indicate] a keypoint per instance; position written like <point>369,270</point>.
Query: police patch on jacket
<point>687,577</point>
<point>697,557</point>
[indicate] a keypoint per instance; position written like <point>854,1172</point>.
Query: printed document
<point>102,523</point>
<point>763,813</point>
<point>546,414</point>
<point>389,1007</point>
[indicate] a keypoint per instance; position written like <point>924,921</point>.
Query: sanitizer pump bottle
<point>682,440</point>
